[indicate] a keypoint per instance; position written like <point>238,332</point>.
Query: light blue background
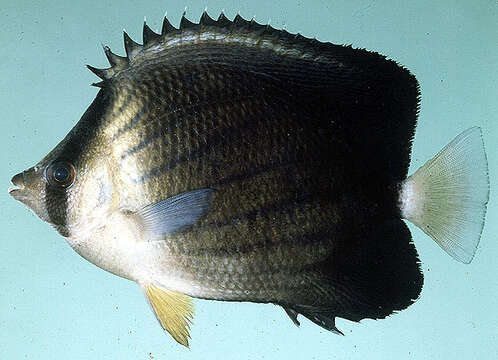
<point>55,305</point>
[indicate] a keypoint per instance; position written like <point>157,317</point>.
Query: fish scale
<point>231,150</point>
<point>277,141</point>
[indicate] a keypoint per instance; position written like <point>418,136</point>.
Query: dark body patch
<point>304,142</point>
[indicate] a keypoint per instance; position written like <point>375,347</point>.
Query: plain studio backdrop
<point>56,305</point>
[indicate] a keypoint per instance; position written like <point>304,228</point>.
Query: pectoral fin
<point>173,310</point>
<point>175,213</point>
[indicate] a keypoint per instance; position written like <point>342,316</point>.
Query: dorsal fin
<point>249,32</point>
<point>133,48</point>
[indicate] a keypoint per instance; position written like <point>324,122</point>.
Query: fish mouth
<point>18,182</point>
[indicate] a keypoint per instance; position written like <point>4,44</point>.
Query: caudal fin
<point>447,196</point>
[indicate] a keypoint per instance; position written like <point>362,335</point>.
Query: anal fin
<point>173,310</point>
<point>321,318</point>
<point>372,273</point>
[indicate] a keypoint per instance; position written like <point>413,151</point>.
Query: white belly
<point>120,247</point>
<point>112,246</point>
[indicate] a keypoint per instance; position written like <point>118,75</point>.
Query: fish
<point>229,160</point>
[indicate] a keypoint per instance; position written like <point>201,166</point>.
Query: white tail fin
<point>447,196</point>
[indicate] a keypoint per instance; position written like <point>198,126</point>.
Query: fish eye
<point>61,174</point>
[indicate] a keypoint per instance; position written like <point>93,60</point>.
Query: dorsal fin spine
<point>240,22</point>
<point>132,48</point>
<point>186,23</point>
<point>99,84</point>
<point>115,60</point>
<point>223,20</point>
<point>148,34</point>
<point>104,74</point>
<point>167,27</point>
<point>206,20</point>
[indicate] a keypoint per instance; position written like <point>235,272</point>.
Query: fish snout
<point>18,182</point>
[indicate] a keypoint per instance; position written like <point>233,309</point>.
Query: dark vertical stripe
<point>144,142</point>
<point>133,121</point>
<point>56,203</point>
<point>169,120</point>
<point>171,163</point>
<point>70,149</point>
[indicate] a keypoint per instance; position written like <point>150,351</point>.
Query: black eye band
<point>60,174</point>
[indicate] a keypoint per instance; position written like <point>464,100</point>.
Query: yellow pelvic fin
<point>174,311</point>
